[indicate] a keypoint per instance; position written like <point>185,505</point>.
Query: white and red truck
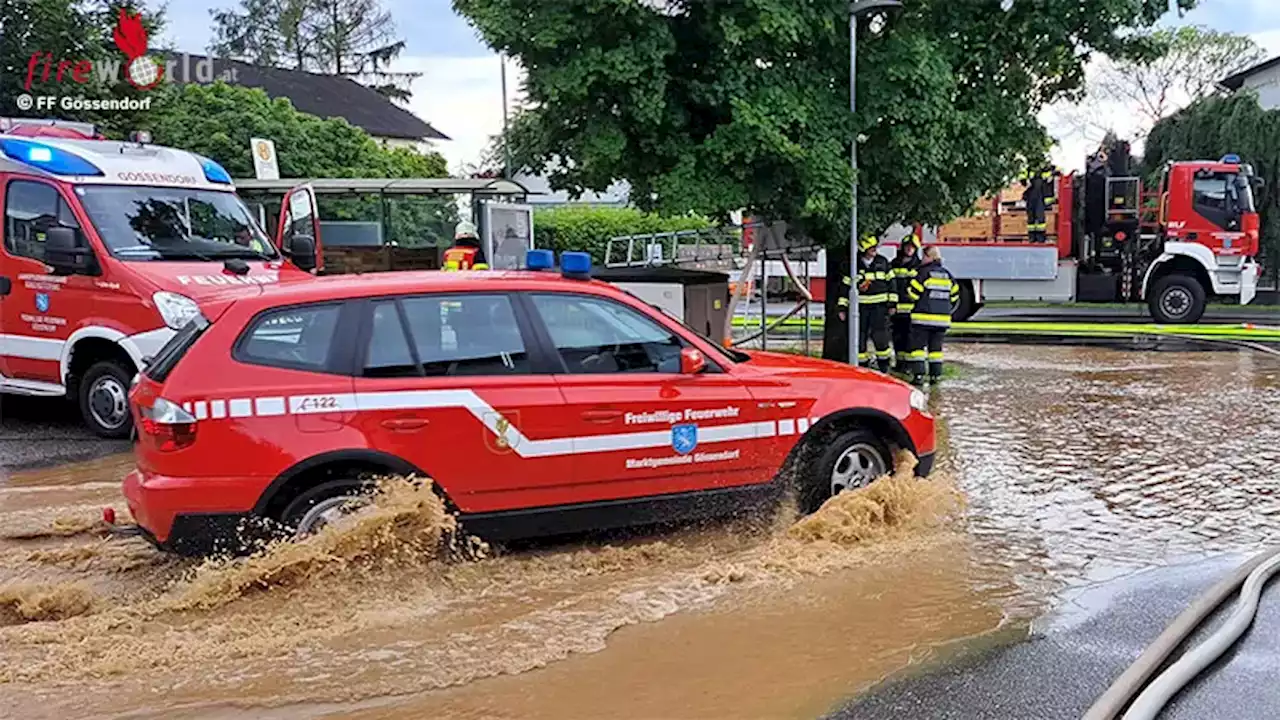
<point>1112,238</point>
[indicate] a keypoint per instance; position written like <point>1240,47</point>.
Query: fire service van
<point>109,248</point>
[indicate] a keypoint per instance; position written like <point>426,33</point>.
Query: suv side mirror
<point>302,251</point>
<point>64,253</point>
<point>692,361</point>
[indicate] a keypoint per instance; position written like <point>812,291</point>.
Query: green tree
<point>1217,126</point>
<point>352,38</point>
<point>264,32</point>
<point>71,30</point>
<point>716,106</point>
<point>1181,65</point>
<point>218,120</point>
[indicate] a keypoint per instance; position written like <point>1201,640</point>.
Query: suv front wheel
<point>852,460</point>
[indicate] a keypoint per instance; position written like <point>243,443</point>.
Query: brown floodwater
<point>1061,467</point>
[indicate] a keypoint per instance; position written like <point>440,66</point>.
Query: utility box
<point>699,297</point>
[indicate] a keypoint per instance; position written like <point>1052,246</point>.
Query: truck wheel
<point>852,460</point>
<point>104,399</point>
<point>323,504</point>
<point>966,306</point>
<point>1176,299</point>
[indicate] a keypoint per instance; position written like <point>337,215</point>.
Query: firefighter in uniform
<point>1039,197</point>
<point>875,296</point>
<point>466,253</point>
<point>933,293</point>
<point>903,268</point>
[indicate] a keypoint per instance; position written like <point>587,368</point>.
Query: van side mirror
<point>692,361</point>
<point>302,251</point>
<point>66,255</point>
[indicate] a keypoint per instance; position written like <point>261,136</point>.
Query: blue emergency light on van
<point>47,157</point>
<point>1231,159</point>
<point>539,260</point>
<point>213,172</point>
<point>575,264</point>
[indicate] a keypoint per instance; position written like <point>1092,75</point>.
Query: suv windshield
<point>154,223</point>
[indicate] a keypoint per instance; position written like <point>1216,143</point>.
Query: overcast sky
<point>460,91</point>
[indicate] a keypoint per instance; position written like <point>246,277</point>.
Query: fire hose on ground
<point>1149,698</point>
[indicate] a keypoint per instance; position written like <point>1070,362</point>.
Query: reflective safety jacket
<point>875,282</point>
<point>934,292</point>
<point>904,271</point>
<point>463,258</point>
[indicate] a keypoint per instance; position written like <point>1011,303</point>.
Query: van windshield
<point>156,223</point>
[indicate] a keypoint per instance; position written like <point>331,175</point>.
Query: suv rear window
<point>298,338</point>
<point>167,358</point>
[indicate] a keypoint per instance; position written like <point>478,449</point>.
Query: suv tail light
<point>167,426</point>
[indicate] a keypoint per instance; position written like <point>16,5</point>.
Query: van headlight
<point>919,401</point>
<point>176,310</point>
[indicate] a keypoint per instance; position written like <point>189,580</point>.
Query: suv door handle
<point>6,285</point>
<point>405,424</point>
<point>601,416</point>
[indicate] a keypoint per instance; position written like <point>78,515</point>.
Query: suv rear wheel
<point>854,459</point>
<point>104,399</point>
<point>324,504</point>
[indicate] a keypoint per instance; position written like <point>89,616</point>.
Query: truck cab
<point>1209,227</point>
<point>108,247</point>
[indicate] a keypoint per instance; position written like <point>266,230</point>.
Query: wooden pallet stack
<point>349,260</point>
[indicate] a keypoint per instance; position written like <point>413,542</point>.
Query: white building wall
<point>1267,84</point>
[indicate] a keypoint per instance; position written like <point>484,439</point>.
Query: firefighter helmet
<point>867,242</point>
<point>465,229</point>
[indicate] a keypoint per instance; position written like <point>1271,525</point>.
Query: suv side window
<point>389,354</point>
<point>298,338</point>
<point>30,209</point>
<point>595,335</point>
<point>450,335</point>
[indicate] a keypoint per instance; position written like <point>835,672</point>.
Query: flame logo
<point>131,37</point>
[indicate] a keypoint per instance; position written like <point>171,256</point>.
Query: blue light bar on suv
<point>47,158</point>
<point>539,260</point>
<point>213,172</point>
<point>1231,159</point>
<point>575,264</point>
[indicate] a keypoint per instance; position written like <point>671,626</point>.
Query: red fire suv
<point>540,404</point>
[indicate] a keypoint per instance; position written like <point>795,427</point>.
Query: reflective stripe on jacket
<point>934,292</point>
<point>904,271</point>
<point>875,282</point>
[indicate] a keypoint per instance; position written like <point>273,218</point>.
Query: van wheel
<point>1176,299</point>
<point>852,460</point>
<point>324,504</point>
<point>104,399</point>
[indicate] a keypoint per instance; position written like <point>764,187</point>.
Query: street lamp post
<point>857,8</point>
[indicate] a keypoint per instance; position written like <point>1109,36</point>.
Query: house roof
<point>325,96</point>
<point>1235,82</point>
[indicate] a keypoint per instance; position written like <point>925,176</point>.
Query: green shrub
<point>588,229</point>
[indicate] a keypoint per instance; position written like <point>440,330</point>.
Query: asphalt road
<point>39,432</point>
<point>1073,658</point>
